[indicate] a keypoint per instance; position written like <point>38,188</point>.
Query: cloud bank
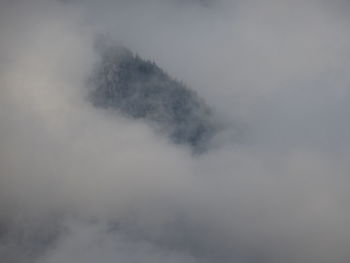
<point>79,184</point>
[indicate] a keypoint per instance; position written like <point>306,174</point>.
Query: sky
<point>80,184</point>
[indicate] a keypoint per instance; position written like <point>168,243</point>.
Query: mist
<point>83,184</point>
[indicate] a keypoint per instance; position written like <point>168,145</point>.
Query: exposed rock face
<point>140,89</point>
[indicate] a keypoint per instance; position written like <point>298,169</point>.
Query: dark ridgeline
<point>139,89</point>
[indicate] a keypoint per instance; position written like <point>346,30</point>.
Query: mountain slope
<point>139,89</point>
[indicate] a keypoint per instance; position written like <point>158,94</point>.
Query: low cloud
<point>82,184</point>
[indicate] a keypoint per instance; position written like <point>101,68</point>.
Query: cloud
<point>85,185</point>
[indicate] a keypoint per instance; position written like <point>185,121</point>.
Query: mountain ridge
<point>140,89</point>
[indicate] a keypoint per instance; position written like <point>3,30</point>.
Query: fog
<point>82,184</point>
